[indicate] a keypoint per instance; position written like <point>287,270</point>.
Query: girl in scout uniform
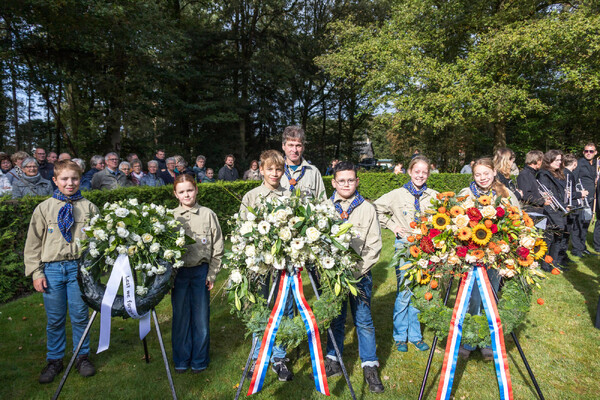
<point>190,297</point>
<point>396,210</point>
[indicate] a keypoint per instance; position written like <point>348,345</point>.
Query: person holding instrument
<point>396,210</point>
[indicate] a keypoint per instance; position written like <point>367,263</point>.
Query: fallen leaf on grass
<point>561,332</point>
<point>24,318</point>
<point>386,378</point>
<point>20,347</point>
<point>41,304</point>
<point>237,385</point>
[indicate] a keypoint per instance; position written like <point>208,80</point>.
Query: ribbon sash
<point>479,275</point>
<point>121,273</point>
<point>286,282</point>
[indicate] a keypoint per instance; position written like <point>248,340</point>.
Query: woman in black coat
<point>551,175</point>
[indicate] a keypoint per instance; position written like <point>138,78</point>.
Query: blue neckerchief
<point>358,200</point>
<point>417,193</point>
<point>293,182</point>
<point>65,214</point>
<point>477,193</point>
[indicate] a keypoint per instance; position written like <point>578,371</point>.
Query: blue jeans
<point>278,351</point>
<point>475,301</point>
<point>190,300</point>
<point>360,307</point>
<point>63,290</point>
<point>406,316</point>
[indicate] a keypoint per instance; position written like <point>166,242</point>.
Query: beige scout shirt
<point>397,208</point>
<point>513,199</point>
<point>202,225</point>
<point>311,181</point>
<point>250,198</point>
<point>45,243</point>
<point>368,243</point>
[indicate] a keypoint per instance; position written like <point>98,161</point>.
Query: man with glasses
<point>587,172</point>
<point>45,169</point>
<point>110,177</point>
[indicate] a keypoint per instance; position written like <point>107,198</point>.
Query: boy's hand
<point>209,284</point>
<point>40,285</point>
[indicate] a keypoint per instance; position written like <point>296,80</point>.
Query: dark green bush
<point>223,198</point>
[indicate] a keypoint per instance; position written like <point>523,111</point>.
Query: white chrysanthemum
<point>250,251</point>
<point>264,227</point>
<point>141,291</point>
<point>147,238</point>
<point>235,276</point>
<point>168,254</point>
<point>328,262</point>
<point>335,229</point>
<point>121,212</point>
<point>312,234</point>
<point>122,232</point>
<point>94,253</point>
<point>180,242</point>
<point>285,234</point>
<point>297,244</point>
<point>154,248</point>
<point>100,234</point>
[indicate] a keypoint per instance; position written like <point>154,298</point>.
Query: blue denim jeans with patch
<point>62,292</point>
<point>406,317</point>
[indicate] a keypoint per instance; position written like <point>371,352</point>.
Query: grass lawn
<point>559,339</point>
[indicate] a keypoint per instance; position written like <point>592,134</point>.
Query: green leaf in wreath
<point>251,297</point>
<point>337,288</point>
<point>337,244</point>
<point>238,303</point>
<point>352,288</point>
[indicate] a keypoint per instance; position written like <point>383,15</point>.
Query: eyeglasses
<point>349,182</point>
<point>112,159</point>
<point>589,151</point>
<point>31,166</point>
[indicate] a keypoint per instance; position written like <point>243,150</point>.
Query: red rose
<point>500,212</point>
<point>427,245</point>
<point>522,252</point>
<point>461,251</point>
<point>494,228</point>
<point>474,214</point>
<point>433,233</point>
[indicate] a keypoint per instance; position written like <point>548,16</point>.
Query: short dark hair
<point>343,166</point>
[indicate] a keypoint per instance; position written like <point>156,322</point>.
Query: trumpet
<point>583,202</point>
<point>554,203</point>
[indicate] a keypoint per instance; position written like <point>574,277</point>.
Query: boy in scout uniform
<point>51,258</point>
<point>353,208</point>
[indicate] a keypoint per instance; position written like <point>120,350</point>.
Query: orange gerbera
<point>415,251</point>
<point>410,239</point>
<point>462,198</point>
<point>464,233</point>
<point>424,229</point>
<point>478,254</point>
<point>528,221</point>
<point>456,211</point>
<point>413,224</point>
<point>445,195</point>
<point>526,262</point>
<point>485,200</point>
<point>514,215</point>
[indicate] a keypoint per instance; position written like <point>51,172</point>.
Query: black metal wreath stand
<point>146,356</point>
<point>521,353</point>
<point>329,331</point>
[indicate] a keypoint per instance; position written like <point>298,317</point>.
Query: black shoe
<point>372,379</point>
<point>50,371</point>
<point>332,368</point>
<point>250,371</point>
<point>84,366</point>
<point>282,370</point>
<point>463,353</point>
<point>487,354</point>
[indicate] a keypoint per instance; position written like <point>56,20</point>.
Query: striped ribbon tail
<point>454,336</point>
<point>268,340</point>
<point>312,331</point>
<point>496,333</point>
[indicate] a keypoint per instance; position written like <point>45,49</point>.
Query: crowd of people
<point>24,175</point>
<point>557,190</point>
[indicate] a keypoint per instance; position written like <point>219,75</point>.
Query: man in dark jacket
<point>110,177</point>
<point>526,181</point>
<point>45,169</point>
<point>159,157</point>
<point>228,171</point>
<point>586,172</point>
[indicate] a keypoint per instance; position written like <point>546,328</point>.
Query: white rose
<point>279,264</point>
<point>281,215</point>
<point>527,241</point>
<point>154,248</point>
<point>335,229</point>
<point>453,260</point>
<point>109,261</point>
<point>121,212</point>
<point>168,254</point>
<point>246,228</point>
<point>158,227</point>
<point>106,205</point>
<point>461,220</point>
<point>236,276</point>
<point>488,212</point>
<point>180,242</point>
<point>133,202</point>
<point>94,253</point>
<point>285,234</point>
<point>250,251</point>
<point>468,203</point>
<point>328,262</point>
<point>505,247</point>
<point>161,210</point>
<point>510,262</point>
<point>121,224</point>
<point>109,225</point>
<point>131,250</point>
<point>100,234</point>
<point>178,264</point>
<point>312,234</point>
<point>322,223</point>
<point>423,263</point>
<point>147,238</point>
<point>173,223</point>
<point>264,227</point>
<point>268,258</point>
<point>434,259</point>
<point>122,232</point>
<point>250,217</point>
<point>470,259</point>
<point>94,220</point>
<point>122,249</point>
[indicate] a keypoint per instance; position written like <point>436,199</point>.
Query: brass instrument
<point>554,203</point>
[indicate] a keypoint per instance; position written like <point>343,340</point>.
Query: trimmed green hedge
<point>223,198</point>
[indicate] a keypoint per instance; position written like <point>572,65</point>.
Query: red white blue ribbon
<point>286,282</point>
<point>479,275</point>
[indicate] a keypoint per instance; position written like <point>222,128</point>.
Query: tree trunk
<point>499,131</point>
<point>15,105</point>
